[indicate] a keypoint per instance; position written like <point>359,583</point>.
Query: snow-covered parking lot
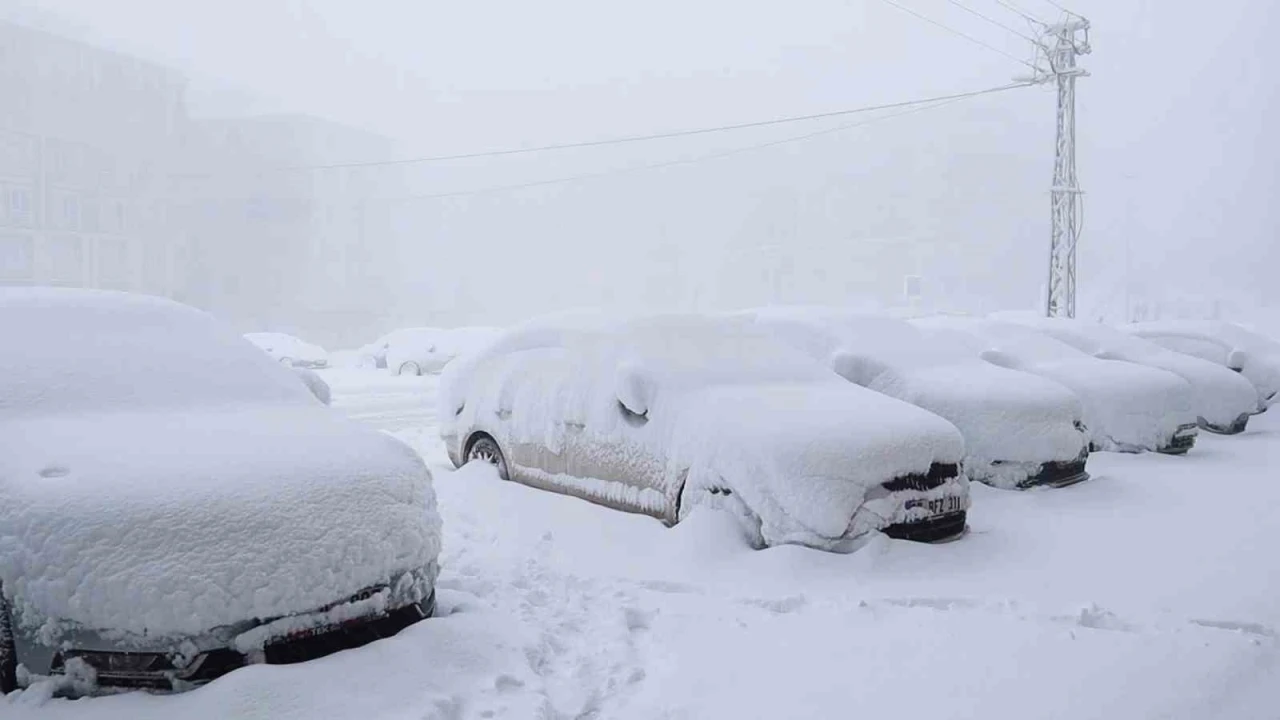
<point>1146,592</point>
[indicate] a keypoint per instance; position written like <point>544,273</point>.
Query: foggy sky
<point>1177,158</point>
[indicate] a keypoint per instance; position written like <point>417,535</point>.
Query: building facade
<point>86,139</point>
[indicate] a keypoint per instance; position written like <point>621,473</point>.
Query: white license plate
<point>937,506</point>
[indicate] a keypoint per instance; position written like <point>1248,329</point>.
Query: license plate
<point>937,506</point>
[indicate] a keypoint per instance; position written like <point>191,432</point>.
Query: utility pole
<point>1062,44</point>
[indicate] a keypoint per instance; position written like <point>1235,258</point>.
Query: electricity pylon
<point>1062,44</point>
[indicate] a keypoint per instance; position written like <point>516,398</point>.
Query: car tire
<point>409,367</point>
<point>483,448</point>
<point>8,654</point>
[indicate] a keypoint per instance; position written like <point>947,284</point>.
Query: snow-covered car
<point>1020,430</point>
<point>662,415</point>
<point>289,350</point>
<point>1127,407</point>
<point>174,505</point>
<point>1223,401</point>
<point>1254,356</point>
<point>422,351</point>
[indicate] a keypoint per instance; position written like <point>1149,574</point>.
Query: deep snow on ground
<point>1147,592</point>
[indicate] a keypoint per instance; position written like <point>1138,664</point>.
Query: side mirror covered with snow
<point>857,369</point>
<point>1237,359</point>
<point>633,389</point>
<point>314,383</point>
<point>999,357</point>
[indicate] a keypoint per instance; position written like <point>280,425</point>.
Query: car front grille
<point>938,474</point>
<point>1182,441</point>
<point>1058,474</point>
<point>939,527</point>
<point>156,671</point>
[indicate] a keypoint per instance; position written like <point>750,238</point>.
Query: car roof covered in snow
<point>1027,344</point>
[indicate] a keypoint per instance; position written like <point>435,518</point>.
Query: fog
<point>226,204</point>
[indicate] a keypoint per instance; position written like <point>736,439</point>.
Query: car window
<point>1202,348</point>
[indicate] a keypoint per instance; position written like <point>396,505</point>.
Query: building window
<point>16,257</point>
<point>20,206</point>
<point>71,212</point>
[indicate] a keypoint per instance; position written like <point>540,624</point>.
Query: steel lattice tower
<point>1063,43</point>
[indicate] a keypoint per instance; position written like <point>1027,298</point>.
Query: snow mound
<point>1221,396</point>
<point>1012,421</point>
<point>1126,406</point>
<point>182,481</point>
<point>696,404</point>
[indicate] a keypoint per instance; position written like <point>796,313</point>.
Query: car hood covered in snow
<point>1254,356</point>
<point>1126,406</point>
<point>177,523</point>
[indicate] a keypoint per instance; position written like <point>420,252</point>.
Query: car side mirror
<point>633,389</point>
<point>857,369</point>
<point>999,357</point>
<point>1237,359</point>
<point>318,387</point>
<point>1104,354</point>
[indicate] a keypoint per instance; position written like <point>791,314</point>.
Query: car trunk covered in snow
<point>696,412</point>
<point>160,477</point>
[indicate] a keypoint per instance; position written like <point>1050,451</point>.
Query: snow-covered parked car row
<point>182,506</point>
<point>423,350</point>
<point>817,426</point>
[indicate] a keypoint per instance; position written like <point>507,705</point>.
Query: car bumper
<point>1184,438</point>
<point>938,528</point>
<point>1234,428</point>
<point>1059,474</point>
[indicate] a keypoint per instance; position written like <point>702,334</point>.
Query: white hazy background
<point>1178,154</point>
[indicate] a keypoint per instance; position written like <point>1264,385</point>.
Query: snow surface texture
<point>1221,396</point>
<point>1254,356</point>
<point>431,349</point>
<point>681,402</point>
<point>182,481</point>
<point>1127,407</point>
<point>1090,602</point>
<point>1012,421</point>
<point>289,350</point>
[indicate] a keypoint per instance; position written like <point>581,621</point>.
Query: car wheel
<point>8,655</point>
<point>409,368</point>
<point>485,449</point>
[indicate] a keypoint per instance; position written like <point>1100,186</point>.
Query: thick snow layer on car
<point>722,401</point>
<point>182,481</point>
<point>289,350</point>
<point>431,349</point>
<point>1126,406</point>
<point>1255,356</point>
<point>1012,421</point>
<point>1221,396</point>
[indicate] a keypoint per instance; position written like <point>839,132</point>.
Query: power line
<point>1051,2</point>
<point>633,138</point>
<point>991,20</point>
<point>919,107</point>
<point>952,30</point>
<point>1019,11</point>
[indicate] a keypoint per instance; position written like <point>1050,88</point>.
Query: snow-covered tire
<point>8,655</point>
<point>408,367</point>
<point>483,448</point>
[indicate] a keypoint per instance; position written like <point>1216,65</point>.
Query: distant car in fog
<point>1127,407</point>
<point>174,505</point>
<point>1020,430</point>
<point>662,415</point>
<point>423,350</point>
<point>1255,356</point>
<point>289,350</point>
<point>1223,400</point>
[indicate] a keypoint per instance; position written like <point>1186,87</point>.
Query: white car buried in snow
<point>1127,407</point>
<point>181,505</point>
<point>289,350</point>
<point>1223,400</point>
<point>662,415</point>
<point>1254,356</point>
<point>1020,430</point>
<point>422,351</point>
